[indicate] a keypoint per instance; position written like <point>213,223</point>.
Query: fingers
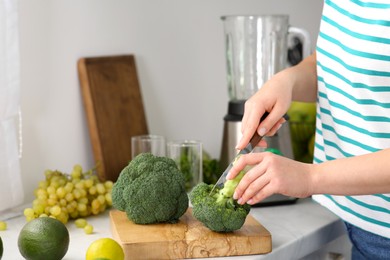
<point>252,183</point>
<point>242,162</point>
<point>271,123</point>
<point>264,193</point>
<point>251,122</point>
<point>276,127</point>
<point>263,143</point>
<point>256,184</point>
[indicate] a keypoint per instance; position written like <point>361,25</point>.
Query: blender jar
<point>256,49</point>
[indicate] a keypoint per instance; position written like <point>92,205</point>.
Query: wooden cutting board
<point>114,109</point>
<point>187,239</point>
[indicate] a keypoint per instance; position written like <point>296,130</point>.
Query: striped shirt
<point>353,112</point>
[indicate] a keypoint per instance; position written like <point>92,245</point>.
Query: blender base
<point>275,200</point>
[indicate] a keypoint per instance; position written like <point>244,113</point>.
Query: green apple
<point>306,158</point>
<point>299,148</point>
<point>302,112</point>
<point>302,117</point>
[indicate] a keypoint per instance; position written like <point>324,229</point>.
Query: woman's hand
<point>298,83</point>
<point>273,97</point>
<point>271,174</point>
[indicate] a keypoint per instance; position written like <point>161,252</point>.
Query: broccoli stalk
<point>219,211</point>
<point>225,195</point>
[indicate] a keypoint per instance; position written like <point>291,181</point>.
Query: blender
<point>256,48</point>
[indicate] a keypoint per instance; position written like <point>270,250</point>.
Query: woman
<point>349,78</point>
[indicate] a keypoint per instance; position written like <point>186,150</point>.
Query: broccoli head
<point>219,211</point>
<point>150,189</point>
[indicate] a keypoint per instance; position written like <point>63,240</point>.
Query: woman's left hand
<point>269,175</point>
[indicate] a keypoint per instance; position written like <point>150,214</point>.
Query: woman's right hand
<point>273,97</point>
<point>298,82</point>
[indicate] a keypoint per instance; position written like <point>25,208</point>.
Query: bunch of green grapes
<point>70,196</point>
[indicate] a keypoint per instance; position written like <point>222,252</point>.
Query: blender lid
<point>236,107</point>
<point>235,110</point>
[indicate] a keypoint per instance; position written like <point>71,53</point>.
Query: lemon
<point>43,238</point>
<point>105,248</point>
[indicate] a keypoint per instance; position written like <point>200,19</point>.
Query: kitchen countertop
<point>297,230</point>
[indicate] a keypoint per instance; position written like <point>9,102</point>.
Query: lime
<point>1,248</point>
<point>105,248</point>
<point>43,238</point>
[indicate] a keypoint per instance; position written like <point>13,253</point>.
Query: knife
<point>256,138</point>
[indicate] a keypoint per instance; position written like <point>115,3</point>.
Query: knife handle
<point>264,116</point>
<point>256,137</point>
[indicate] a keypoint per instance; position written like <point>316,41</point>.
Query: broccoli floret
<point>150,189</point>
<point>219,211</point>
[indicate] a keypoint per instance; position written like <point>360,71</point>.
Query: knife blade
<point>256,138</point>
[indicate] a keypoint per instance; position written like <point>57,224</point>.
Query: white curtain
<point>11,190</point>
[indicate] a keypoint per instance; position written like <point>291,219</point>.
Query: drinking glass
<point>188,157</point>
<point>154,144</point>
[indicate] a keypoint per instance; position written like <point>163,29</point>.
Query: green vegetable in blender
<point>150,189</point>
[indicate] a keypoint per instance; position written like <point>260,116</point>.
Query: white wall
<point>179,50</point>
